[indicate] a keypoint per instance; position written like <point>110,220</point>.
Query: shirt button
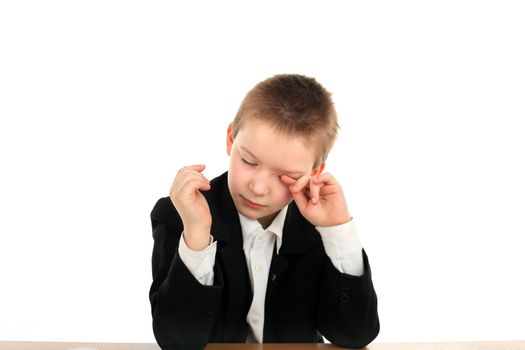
<point>260,237</point>
<point>258,268</point>
<point>255,319</point>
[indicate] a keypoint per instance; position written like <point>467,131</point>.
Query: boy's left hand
<point>319,198</point>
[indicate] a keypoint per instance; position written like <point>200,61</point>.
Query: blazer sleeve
<point>347,309</point>
<point>182,308</point>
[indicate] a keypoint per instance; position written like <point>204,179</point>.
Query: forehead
<point>281,152</point>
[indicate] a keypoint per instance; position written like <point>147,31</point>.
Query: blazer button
<point>210,310</point>
<point>273,277</point>
<point>345,295</point>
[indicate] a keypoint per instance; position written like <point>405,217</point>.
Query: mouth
<point>252,204</point>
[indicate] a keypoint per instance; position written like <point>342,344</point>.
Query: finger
<point>198,167</point>
<point>193,177</point>
<point>326,178</point>
<point>184,179</point>
<point>300,198</point>
<point>183,193</point>
<point>195,169</point>
<point>192,171</point>
<point>192,186</point>
<point>299,191</point>
<point>202,186</point>
<point>301,183</point>
<point>314,191</point>
<point>287,180</point>
<point>328,184</point>
<point>186,171</point>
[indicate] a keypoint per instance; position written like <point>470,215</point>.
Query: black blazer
<point>306,295</point>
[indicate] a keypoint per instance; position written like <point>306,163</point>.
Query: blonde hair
<point>295,105</point>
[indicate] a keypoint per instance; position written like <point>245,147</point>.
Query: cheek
<point>281,192</point>
<point>239,174</point>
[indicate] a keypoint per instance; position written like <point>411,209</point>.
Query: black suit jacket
<point>306,295</point>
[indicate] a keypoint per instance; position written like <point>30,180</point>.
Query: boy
<point>266,252</point>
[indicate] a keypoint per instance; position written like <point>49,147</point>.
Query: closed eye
<point>254,164</point>
<point>292,177</point>
<point>246,162</point>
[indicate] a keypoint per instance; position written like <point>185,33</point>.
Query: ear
<point>229,139</point>
<point>317,171</point>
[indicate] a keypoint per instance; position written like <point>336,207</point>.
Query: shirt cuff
<point>343,247</point>
<point>199,263</point>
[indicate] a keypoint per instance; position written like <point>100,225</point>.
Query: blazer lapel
<point>299,236</point>
<point>226,230</point>
<point>277,268</point>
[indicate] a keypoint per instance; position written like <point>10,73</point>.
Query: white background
<point>101,102</point>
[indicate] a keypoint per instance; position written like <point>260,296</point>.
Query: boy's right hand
<point>192,206</point>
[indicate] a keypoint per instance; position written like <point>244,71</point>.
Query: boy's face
<point>258,157</point>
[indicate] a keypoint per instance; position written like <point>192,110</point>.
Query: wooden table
<point>502,345</point>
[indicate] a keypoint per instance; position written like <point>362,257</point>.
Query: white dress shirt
<point>341,244</point>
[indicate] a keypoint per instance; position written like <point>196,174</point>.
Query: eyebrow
<point>281,170</point>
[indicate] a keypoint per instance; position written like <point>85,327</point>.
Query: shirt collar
<point>249,226</point>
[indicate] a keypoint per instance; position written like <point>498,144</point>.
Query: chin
<point>251,215</point>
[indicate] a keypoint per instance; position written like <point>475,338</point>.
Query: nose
<point>259,185</point>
